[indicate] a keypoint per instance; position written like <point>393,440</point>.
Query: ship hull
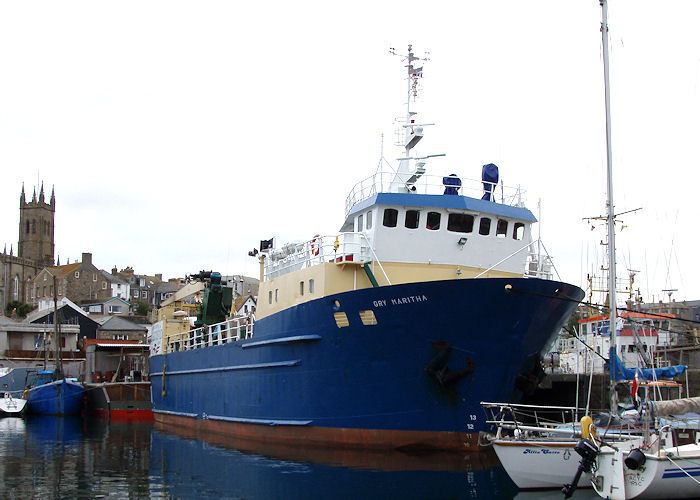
<point>120,401</point>
<point>62,397</point>
<point>411,375</point>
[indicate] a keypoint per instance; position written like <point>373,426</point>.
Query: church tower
<point>36,228</point>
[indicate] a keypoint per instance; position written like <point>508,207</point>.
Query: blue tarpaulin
<point>452,184</point>
<point>489,176</point>
<point>618,370</point>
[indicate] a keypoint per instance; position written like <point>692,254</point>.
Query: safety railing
<point>392,182</point>
<point>341,247</point>
<point>231,330</point>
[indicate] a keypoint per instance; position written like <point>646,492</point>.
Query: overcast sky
<point>177,134</point>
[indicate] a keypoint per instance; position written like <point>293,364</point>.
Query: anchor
<point>437,367</point>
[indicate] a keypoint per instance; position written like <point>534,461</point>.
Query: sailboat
<point>51,393</point>
<point>538,453</point>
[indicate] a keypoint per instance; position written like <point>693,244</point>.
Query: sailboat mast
<point>612,300</point>
<point>58,372</point>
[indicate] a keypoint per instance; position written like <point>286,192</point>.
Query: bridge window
<point>301,288</point>
<point>412,217</point>
<point>460,223</point>
<point>501,228</point>
<point>369,220</point>
<point>518,231</point>
<point>391,215</point>
<point>311,283</point>
<point>269,297</point>
<point>484,226</point>
<point>433,221</point>
<point>359,223</point>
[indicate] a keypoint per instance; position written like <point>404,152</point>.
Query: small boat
<point>11,406</point>
<point>120,401</point>
<point>50,396</point>
<point>536,444</point>
<point>117,390</point>
<point>661,463</point>
<point>51,392</point>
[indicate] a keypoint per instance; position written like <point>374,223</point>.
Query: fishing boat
<point>432,298</point>
<point>117,391</point>
<point>11,405</point>
<point>52,395</point>
<point>50,392</point>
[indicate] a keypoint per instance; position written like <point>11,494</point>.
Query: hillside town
<point>118,305</point>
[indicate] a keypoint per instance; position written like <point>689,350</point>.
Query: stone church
<point>35,249</point>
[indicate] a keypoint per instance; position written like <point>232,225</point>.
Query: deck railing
<point>231,330</point>
<point>391,182</point>
<point>341,247</point>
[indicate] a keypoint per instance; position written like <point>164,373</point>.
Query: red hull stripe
<point>125,415</point>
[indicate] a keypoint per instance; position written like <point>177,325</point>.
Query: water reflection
<point>54,457</point>
<point>216,467</point>
<point>66,457</point>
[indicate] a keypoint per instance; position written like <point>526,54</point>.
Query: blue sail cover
<point>618,370</point>
<point>452,184</point>
<point>489,175</point>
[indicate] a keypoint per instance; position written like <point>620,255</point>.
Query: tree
<point>141,308</point>
<point>18,309</point>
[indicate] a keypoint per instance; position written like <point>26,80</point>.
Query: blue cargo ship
<point>432,298</point>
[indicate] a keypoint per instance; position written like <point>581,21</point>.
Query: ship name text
<point>398,301</point>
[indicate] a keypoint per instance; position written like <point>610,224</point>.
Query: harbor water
<point>59,457</point>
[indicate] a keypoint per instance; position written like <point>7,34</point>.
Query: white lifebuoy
<point>316,244</point>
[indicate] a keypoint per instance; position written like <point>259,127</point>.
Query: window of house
<point>391,215</point>
<point>433,221</point>
<point>142,282</point>
<point>115,309</point>
<point>501,228</point>
<point>144,294</point>
<point>311,284</point>
<point>518,231</point>
<point>460,223</point>
<point>119,336</point>
<point>33,226</point>
<point>94,277</point>
<point>412,217</point>
<point>44,276</point>
<point>77,274</point>
<point>60,290</point>
<point>369,220</point>
<point>104,285</point>
<point>136,294</point>
<point>359,223</point>
<point>484,226</point>
<point>27,227</point>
